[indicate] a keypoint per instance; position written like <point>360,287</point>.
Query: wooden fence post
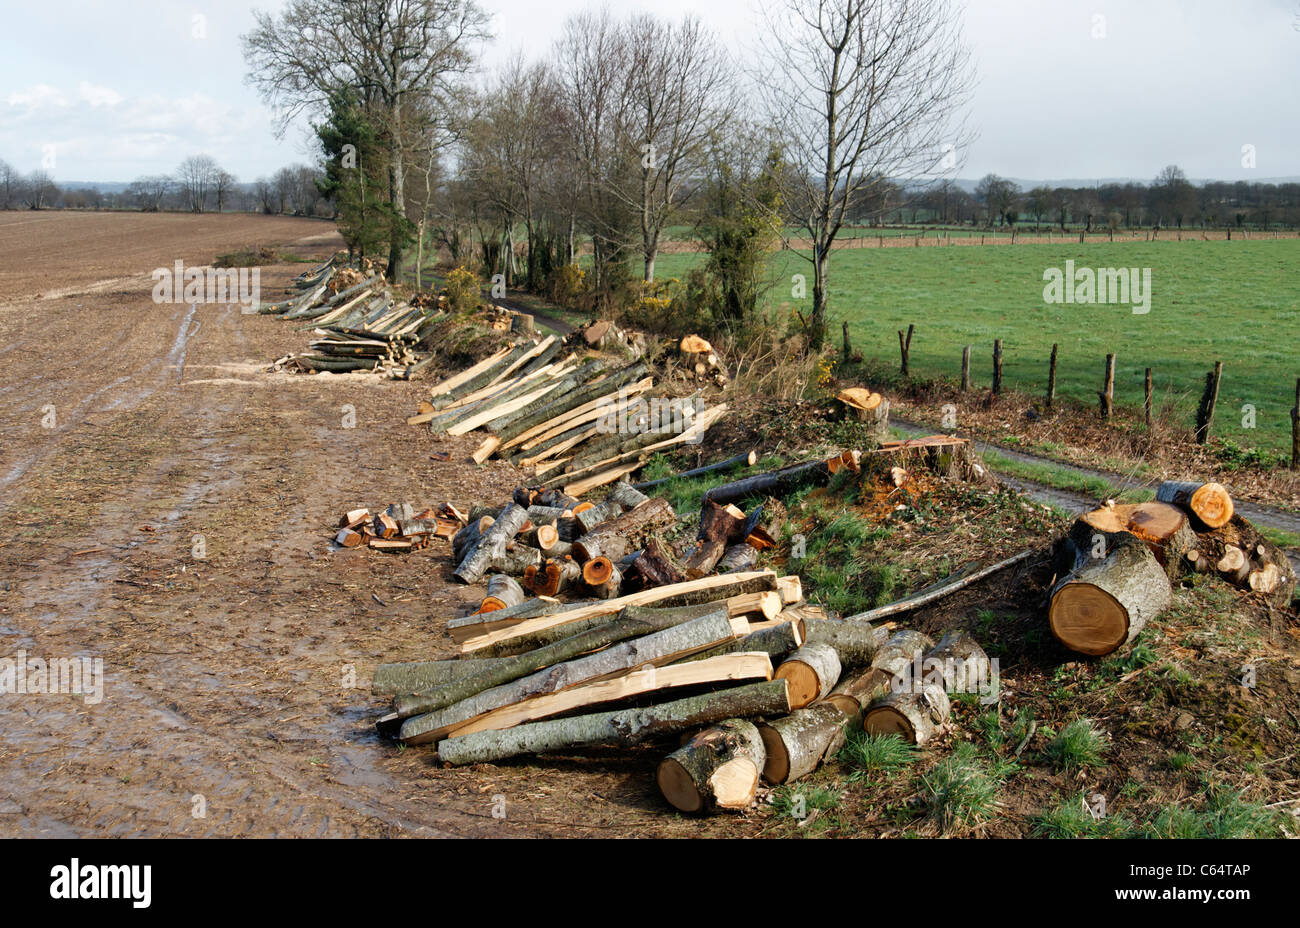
<point>1210,398</point>
<point>1108,388</point>
<point>1295,429</point>
<point>965,369</point>
<point>905,349</point>
<point>1051,380</point>
<point>997,367</point>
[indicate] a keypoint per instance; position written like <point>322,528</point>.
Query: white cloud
<point>98,96</point>
<point>37,97</point>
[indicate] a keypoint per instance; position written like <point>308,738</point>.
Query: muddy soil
<point>236,683</point>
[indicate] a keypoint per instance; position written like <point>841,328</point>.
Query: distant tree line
<point>199,185</point>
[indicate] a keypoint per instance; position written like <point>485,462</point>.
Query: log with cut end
<point>478,623</point>
<point>915,714</point>
<point>720,527</point>
<point>962,664</point>
<point>624,533</point>
<point>716,769</point>
<point>349,538</point>
<point>813,671</point>
<point>598,514</point>
<point>796,744</point>
<point>867,407</point>
<point>747,459</point>
<point>1164,528</point>
<point>502,591</point>
<point>556,576</point>
<point>602,577</point>
<point>627,496</point>
<point>464,541</point>
<point>1241,555</point>
<point>1210,503</point>
<point>517,559</point>
<point>774,483</point>
<point>659,647</point>
<point>626,726</point>
<point>354,517</point>
<point>1103,602</point>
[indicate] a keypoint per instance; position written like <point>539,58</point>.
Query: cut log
<point>1249,559</point>
<point>348,538</point>
<point>354,518</point>
<point>1209,503</point>
<point>485,450</point>
<point>777,641</point>
<point>657,565</point>
<point>855,643</point>
<point>790,587</point>
<point>491,544</point>
<point>502,591</point>
<point>797,744</point>
<point>414,676</point>
<point>872,409</point>
<point>661,647</point>
<point>626,726</point>
<point>813,671</point>
<point>597,480</point>
<point>738,557</point>
<point>964,665</point>
<point>1103,602</point>
<point>589,518</point>
<point>465,539</point>
<point>716,769</point>
<point>648,679</point>
<point>914,716</point>
<point>631,623</point>
<point>558,575</point>
<point>480,623</point>
<point>616,538</point>
<point>1165,530</point>
<point>516,560</point>
<point>706,589</point>
<point>626,496</point>
<point>776,483</point>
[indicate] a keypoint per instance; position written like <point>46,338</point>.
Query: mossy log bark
<point>797,744</point>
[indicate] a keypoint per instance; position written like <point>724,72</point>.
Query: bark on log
<point>598,514</point>
<point>480,623</point>
<point>915,716</point>
<point>486,674</point>
<point>717,769</point>
<point>748,459</point>
<point>655,648</point>
<point>555,577</point>
<point>1103,602</point>
<point>738,557</point>
<point>797,744</point>
<point>502,591</point>
<point>657,566</point>
<point>1209,503</point>
<point>627,726</point>
<point>774,483</point>
<point>491,544</point>
<point>616,538</point>
<point>813,671</point>
<point>1164,529</point>
<point>626,496</point>
<point>414,676</point>
<point>778,642</point>
<point>855,643</point>
<point>1265,568</point>
<point>517,559</point>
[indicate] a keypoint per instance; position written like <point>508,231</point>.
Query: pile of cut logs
<point>358,324</point>
<point>769,684</point>
<point>397,527</point>
<point>577,422</point>
<point>1116,564</point>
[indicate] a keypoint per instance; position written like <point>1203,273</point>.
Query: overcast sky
<point>107,90</point>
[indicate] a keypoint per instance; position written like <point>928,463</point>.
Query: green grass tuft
<point>1078,746</point>
<point>875,754</point>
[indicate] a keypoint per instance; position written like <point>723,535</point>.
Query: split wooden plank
<point>746,665</point>
<point>690,592</point>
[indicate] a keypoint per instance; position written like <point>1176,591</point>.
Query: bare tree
<point>39,190</point>
<point>149,191</point>
<point>999,196</point>
<point>196,177</point>
<point>394,52</point>
<point>223,184</point>
<point>9,183</point>
<point>678,92</point>
<point>860,91</point>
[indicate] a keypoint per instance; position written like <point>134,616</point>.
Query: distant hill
<point>1026,184</point>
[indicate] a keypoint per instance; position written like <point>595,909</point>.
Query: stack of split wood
<point>577,422</point>
<point>756,684</point>
<point>360,327</point>
<point>1116,564</point>
<point>397,527</point>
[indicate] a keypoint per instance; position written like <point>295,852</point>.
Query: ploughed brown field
<point>236,685</point>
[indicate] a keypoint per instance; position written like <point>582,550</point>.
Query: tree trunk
<point>1104,602</point>
<point>913,716</point>
<point>797,744</point>
<point>717,769</point>
<point>626,726</point>
<point>502,591</point>
<point>1164,528</point>
<point>855,643</point>
<point>657,566</point>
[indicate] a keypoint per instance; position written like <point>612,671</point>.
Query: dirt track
<point>227,677</point>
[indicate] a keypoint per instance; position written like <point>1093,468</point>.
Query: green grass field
<point>1234,302</point>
